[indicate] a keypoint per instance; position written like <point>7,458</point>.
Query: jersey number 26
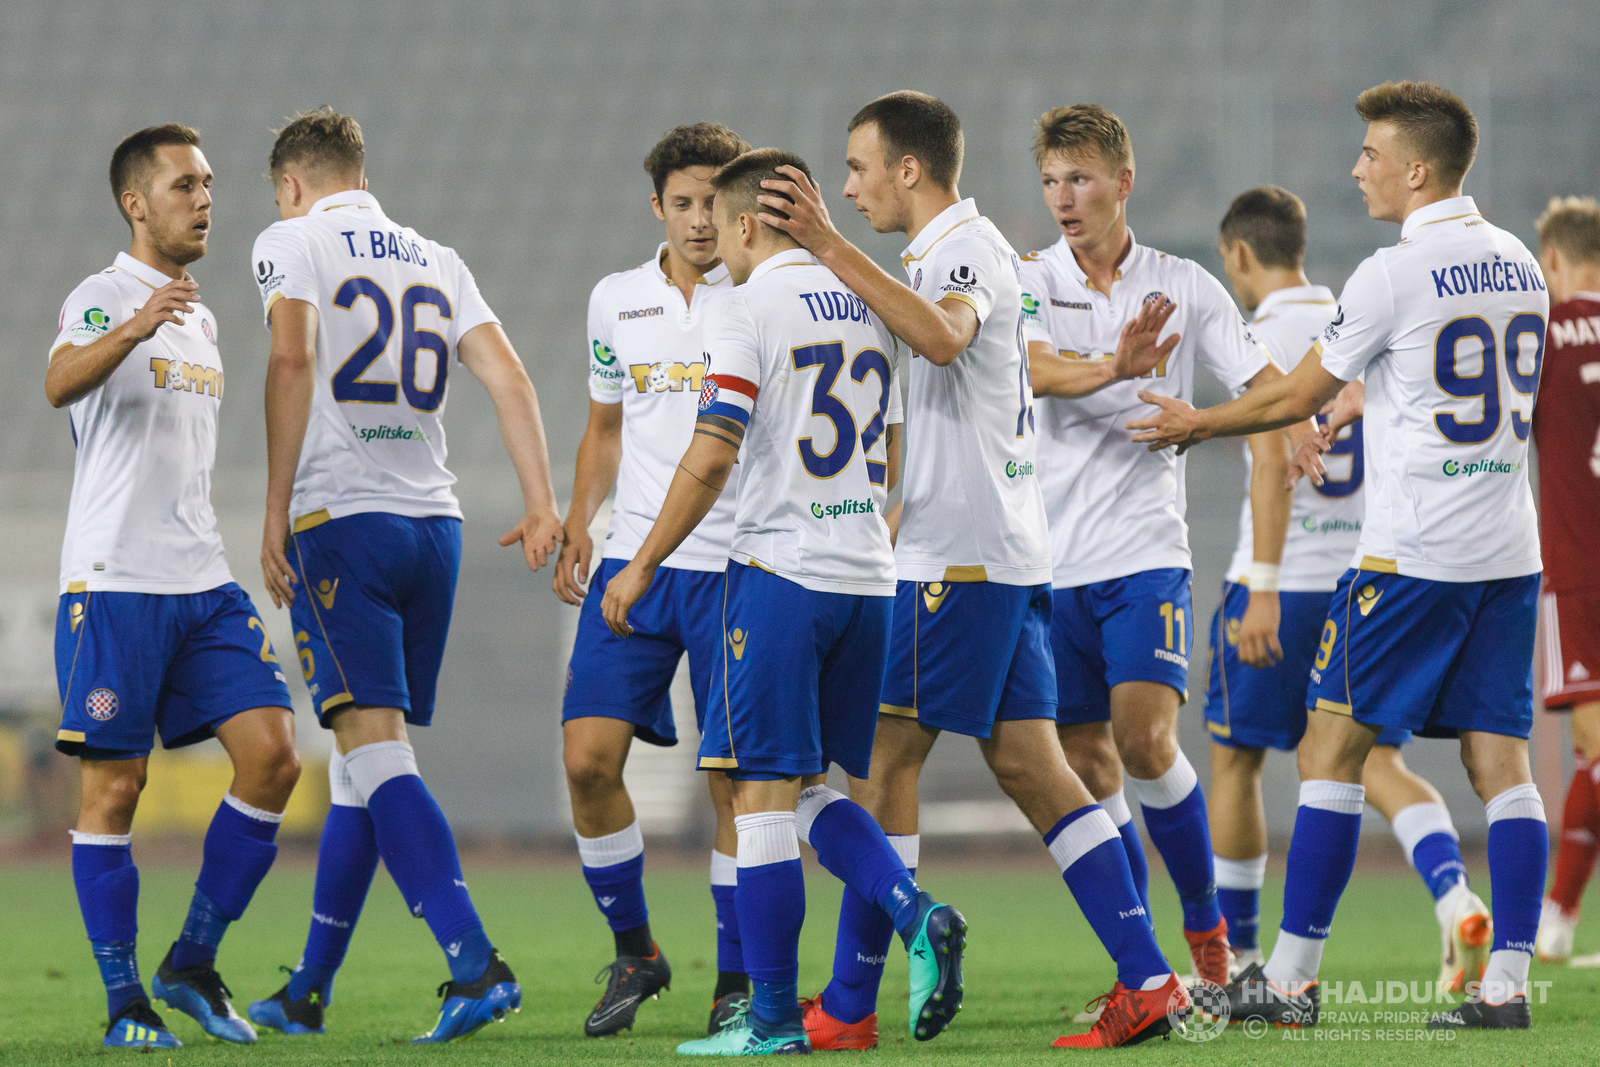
<point>348,385</point>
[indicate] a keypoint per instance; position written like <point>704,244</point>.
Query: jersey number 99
<point>348,385</point>
<point>1486,383</point>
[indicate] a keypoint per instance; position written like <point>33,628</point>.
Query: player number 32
<point>829,358</point>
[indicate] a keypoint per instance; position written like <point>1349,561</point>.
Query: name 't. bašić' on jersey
<point>392,306</point>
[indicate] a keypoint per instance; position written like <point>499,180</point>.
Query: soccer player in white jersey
<point>646,370</point>
<point>1264,637</point>
<point>969,651</point>
<point>1432,627</point>
<point>1123,623</point>
<point>367,318</point>
<point>153,635</point>
<point>800,367</point>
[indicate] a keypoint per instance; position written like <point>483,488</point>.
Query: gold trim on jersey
<point>1219,730</point>
<point>1381,566</point>
<point>1088,282</point>
<point>965,574</point>
<point>1324,704</point>
<point>314,519</point>
<point>77,587</point>
<point>896,709</point>
<point>907,259</point>
<point>62,345</point>
<point>337,700</point>
<point>718,763</point>
<point>71,735</point>
<point>272,302</point>
<point>1452,218</point>
<point>762,566</point>
<point>135,277</point>
<point>963,297</point>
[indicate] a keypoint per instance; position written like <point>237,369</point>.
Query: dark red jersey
<point>1566,429</point>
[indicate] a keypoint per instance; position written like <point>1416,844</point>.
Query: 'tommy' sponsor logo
<point>844,507</point>
<point>1453,469</point>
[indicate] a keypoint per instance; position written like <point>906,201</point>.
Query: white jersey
<point>800,359</point>
<point>972,509</point>
<point>646,352</point>
<point>140,518</point>
<point>1325,520</point>
<point>1115,507</point>
<point>1448,326</point>
<point>391,308</point>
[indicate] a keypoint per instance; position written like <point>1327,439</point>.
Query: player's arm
<point>696,485</point>
<point>1270,502</point>
<point>291,376</point>
<point>599,456</point>
<point>1308,441</point>
<point>486,351</point>
<point>1138,353</point>
<point>892,438</point>
<point>76,370</point>
<point>937,332</point>
<point>1273,401</point>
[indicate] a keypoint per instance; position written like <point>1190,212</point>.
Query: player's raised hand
<point>808,221</point>
<point>622,593</point>
<point>576,552</point>
<point>275,567</point>
<point>1177,423</point>
<point>167,304</point>
<point>540,534</point>
<point>1137,351</point>
<point>1258,631</point>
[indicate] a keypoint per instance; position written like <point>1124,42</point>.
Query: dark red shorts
<point>1570,623</point>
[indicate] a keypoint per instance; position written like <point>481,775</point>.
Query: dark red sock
<point>1580,840</point>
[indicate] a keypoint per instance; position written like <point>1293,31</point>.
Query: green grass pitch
<point>1031,964</point>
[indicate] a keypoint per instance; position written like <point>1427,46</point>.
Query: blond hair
<point>1572,225</point>
<point>1071,130</point>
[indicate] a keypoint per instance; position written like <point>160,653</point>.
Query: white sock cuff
<point>812,801</point>
<point>109,840</point>
<point>724,869</point>
<point>1343,797</point>
<point>767,837</point>
<point>1518,802</point>
<point>611,849</point>
<point>371,765</point>
<point>341,788</point>
<point>1116,806</point>
<point>250,812</point>
<point>1081,835</point>
<point>908,847</point>
<point>1171,789</point>
<point>1416,821</point>
<point>1240,874</point>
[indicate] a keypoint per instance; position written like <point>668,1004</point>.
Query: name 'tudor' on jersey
<point>392,307</point>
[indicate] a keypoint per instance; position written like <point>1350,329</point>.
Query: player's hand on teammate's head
<point>1138,352</point>
<point>541,535</point>
<point>622,593</point>
<point>167,304</point>
<point>275,569</point>
<point>1177,423</point>
<point>808,221</point>
<point>576,551</point>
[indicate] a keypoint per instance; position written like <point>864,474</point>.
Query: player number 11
<point>1171,613</point>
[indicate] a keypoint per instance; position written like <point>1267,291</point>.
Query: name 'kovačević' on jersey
<point>647,353</point>
<point>140,518</point>
<point>392,306</point>
<point>1449,328</point>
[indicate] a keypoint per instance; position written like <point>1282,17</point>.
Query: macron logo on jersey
<point>641,313</point>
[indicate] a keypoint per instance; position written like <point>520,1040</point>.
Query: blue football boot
<point>199,993</point>
<point>934,949</point>
<point>471,1006</point>
<point>138,1026</point>
<point>292,1017</point>
<point>738,1038</point>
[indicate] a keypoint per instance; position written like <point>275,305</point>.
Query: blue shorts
<point>1265,707</point>
<point>1139,628</point>
<point>1431,657</point>
<point>628,678</point>
<point>132,665</point>
<point>796,679</point>
<point>965,655</point>
<point>372,610</point>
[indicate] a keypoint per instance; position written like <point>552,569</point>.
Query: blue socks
<point>1094,864</point>
<point>1322,853</point>
<point>1116,806</point>
<point>1239,896</point>
<point>1431,844</point>
<point>1175,816</point>
<point>731,977</point>
<point>347,859</point>
<point>613,866</point>
<point>862,947</point>
<point>239,850</point>
<point>855,850</point>
<point>108,896</point>
<point>771,901</point>
<point>1519,850</point>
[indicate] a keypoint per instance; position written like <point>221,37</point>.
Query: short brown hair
<point>1435,122</point>
<point>739,183</point>
<point>132,162</point>
<point>918,125</point>
<point>1572,224</point>
<point>704,144</point>
<point>1272,221</point>
<point>321,140</point>
<point>1070,130</point>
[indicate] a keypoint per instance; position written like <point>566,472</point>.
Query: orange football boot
<point>1209,951</point>
<point>828,1034</point>
<point>1130,1016</point>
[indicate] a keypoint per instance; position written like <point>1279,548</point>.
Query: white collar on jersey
<point>357,198</point>
<point>940,227</point>
<point>1063,252</point>
<point>1455,207</point>
<point>710,277</point>
<point>143,271</point>
<point>789,257</point>
<point>1294,294</point>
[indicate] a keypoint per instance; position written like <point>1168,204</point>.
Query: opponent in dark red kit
<point>1566,429</point>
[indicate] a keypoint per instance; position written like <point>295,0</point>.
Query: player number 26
<point>829,358</point>
<point>349,387</point>
<point>1486,383</point>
